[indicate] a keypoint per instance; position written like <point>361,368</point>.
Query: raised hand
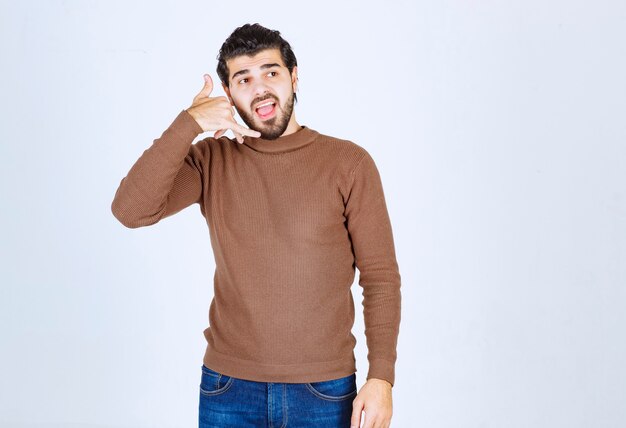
<point>217,114</point>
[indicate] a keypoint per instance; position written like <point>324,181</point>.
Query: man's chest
<point>278,200</point>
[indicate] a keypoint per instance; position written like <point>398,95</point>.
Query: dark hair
<point>249,39</point>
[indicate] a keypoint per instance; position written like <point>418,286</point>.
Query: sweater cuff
<point>186,126</point>
<point>382,369</point>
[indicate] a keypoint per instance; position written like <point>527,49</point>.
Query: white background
<point>499,131</point>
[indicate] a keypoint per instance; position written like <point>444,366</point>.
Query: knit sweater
<point>289,220</point>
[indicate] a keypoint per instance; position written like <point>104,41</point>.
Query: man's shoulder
<point>345,155</point>
<point>343,147</point>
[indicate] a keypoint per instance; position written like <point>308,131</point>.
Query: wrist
<point>381,381</point>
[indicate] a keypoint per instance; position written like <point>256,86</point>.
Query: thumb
<point>208,86</point>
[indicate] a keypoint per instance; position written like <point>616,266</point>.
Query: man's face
<point>256,81</point>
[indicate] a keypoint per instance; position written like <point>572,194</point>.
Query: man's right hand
<point>216,113</point>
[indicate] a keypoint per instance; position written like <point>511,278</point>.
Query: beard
<point>273,128</point>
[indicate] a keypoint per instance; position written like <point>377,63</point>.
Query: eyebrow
<point>245,71</point>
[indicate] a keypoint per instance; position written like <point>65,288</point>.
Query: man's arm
<point>373,245</point>
<point>168,175</point>
<point>166,178</point>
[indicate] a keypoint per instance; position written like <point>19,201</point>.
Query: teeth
<point>264,104</point>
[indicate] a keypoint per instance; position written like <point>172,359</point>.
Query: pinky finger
<point>219,133</point>
<point>238,136</point>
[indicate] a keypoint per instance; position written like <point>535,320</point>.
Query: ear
<point>294,78</point>
<point>227,90</point>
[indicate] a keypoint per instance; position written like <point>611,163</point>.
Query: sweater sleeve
<point>370,231</point>
<point>166,178</point>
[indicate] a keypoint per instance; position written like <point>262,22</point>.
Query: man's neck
<point>292,127</point>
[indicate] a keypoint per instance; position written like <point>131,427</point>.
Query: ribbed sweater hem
<point>284,373</point>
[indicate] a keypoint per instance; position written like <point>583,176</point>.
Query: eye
<point>275,72</point>
<point>243,80</point>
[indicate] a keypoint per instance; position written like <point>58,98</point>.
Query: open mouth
<point>266,110</point>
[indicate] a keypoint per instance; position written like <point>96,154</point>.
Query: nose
<point>260,90</point>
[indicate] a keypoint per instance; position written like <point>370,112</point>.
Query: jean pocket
<point>213,383</point>
<point>335,389</point>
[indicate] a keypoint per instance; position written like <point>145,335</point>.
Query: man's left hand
<point>375,399</point>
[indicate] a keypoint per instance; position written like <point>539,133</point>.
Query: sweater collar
<point>300,138</point>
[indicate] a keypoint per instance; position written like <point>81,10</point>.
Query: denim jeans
<point>227,401</point>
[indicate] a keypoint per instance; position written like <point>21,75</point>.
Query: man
<point>291,212</point>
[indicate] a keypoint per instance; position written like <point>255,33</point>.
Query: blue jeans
<point>227,401</point>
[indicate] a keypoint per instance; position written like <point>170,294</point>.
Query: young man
<point>291,212</point>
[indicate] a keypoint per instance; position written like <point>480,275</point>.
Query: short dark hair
<point>249,39</point>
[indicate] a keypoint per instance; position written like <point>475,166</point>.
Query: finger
<point>207,88</point>
<point>238,129</point>
<point>238,136</point>
<point>368,420</point>
<point>246,131</point>
<point>219,133</point>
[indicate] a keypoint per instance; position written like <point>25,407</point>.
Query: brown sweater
<point>289,219</point>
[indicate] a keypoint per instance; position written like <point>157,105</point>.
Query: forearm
<point>148,191</point>
<point>381,313</point>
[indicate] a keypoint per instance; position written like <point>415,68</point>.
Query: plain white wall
<point>499,131</point>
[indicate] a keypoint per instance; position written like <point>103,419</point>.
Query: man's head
<point>257,66</point>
